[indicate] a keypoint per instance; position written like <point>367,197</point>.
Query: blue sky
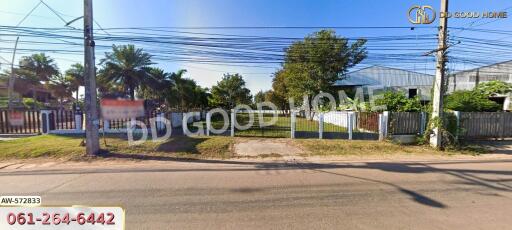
<point>189,13</point>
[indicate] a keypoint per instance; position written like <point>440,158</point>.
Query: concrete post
<point>383,125</point>
<point>106,125</point>
<point>45,121</point>
<point>350,124</point>
<point>423,122</point>
<point>292,125</point>
<point>321,125</point>
<point>78,121</point>
<point>233,123</point>
<point>208,123</point>
<point>457,116</point>
<point>159,125</point>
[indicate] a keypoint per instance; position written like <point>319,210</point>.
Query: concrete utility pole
<point>437,112</point>
<point>92,143</point>
<point>10,89</point>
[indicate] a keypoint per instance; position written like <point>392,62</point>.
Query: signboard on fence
<point>112,109</point>
<point>16,118</point>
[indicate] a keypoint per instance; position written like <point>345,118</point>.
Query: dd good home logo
<point>421,14</point>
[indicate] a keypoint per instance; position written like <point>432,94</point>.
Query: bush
<point>398,102</point>
<point>31,103</point>
<point>494,87</point>
<point>470,101</point>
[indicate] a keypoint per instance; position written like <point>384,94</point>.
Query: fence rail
<point>31,123</point>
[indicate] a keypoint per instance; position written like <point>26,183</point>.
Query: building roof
<point>385,76</point>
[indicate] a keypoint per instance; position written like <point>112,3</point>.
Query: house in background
<point>412,83</point>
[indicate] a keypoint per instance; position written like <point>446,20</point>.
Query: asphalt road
<point>291,195</point>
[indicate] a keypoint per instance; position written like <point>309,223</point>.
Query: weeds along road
<point>293,195</point>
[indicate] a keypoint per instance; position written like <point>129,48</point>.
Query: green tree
<point>470,101</point>
<point>259,97</point>
<point>59,85</point>
<point>37,67</point>
<point>157,88</point>
<point>75,76</point>
<point>313,65</point>
<point>279,93</point>
<point>229,92</point>
<point>126,65</point>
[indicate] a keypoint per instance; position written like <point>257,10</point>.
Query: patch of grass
<point>41,146</point>
<point>68,147</point>
<point>373,148</point>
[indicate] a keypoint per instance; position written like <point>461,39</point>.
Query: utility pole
<point>10,88</point>
<point>92,143</point>
<point>437,111</point>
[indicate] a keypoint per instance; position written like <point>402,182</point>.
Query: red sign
<point>112,109</point>
<point>16,118</point>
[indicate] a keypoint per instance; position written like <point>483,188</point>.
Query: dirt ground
<point>266,147</point>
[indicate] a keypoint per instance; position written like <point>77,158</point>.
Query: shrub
<point>31,103</point>
<point>398,102</point>
<point>494,87</point>
<point>470,101</point>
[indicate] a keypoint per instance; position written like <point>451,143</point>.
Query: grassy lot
<point>377,148</point>
<point>280,129</point>
<point>69,147</point>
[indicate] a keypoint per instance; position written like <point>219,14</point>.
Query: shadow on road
<point>469,176</point>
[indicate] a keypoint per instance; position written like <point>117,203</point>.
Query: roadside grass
<point>69,147</point>
<point>213,147</point>
<point>376,148</point>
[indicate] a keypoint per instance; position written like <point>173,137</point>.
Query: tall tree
<point>157,88</point>
<point>127,65</point>
<point>316,63</point>
<point>230,91</point>
<point>259,97</point>
<point>75,77</point>
<point>59,85</point>
<point>279,93</point>
<point>37,67</point>
<point>184,93</point>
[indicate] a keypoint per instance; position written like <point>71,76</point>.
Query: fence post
<point>423,122</point>
<point>383,125</point>
<point>159,125</point>
<point>502,125</point>
<point>457,116</point>
<point>292,125</point>
<point>233,123</point>
<point>78,121</point>
<point>45,121</point>
<point>350,116</point>
<point>321,125</point>
<point>106,125</point>
<point>208,122</point>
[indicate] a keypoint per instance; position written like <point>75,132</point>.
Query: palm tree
<point>75,76</point>
<point>38,67</point>
<point>180,93</point>
<point>35,69</point>
<point>156,85</point>
<point>127,65</point>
